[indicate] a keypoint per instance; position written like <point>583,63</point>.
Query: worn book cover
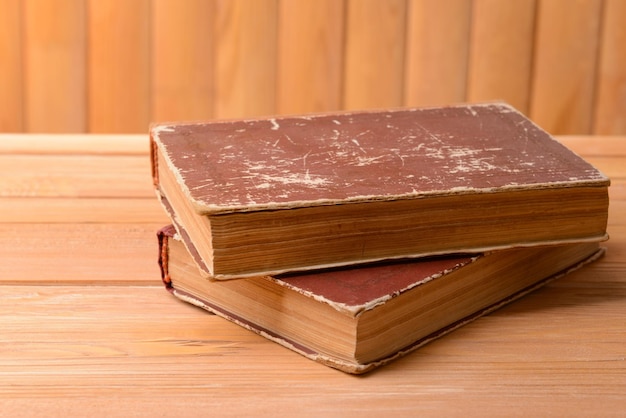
<point>271,195</point>
<point>356,319</point>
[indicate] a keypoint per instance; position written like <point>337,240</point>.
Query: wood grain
<point>501,51</point>
<point>11,80</point>
<point>94,144</point>
<point>100,176</point>
<point>119,66</point>
<point>51,184</point>
<point>113,66</point>
<point>611,78</point>
<point>246,55</point>
<point>564,70</point>
<point>437,54</point>
<point>29,210</point>
<point>112,341</point>
<point>310,55</point>
<point>374,54</point>
<point>88,329</point>
<point>600,146</point>
<point>55,99</point>
<point>182,60</point>
<point>75,252</point>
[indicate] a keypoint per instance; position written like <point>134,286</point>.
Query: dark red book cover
<point>302,161</point>
<point>295,193</point>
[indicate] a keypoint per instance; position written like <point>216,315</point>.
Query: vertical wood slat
<point>501,51</point>
<point>54,70</point>
<point>374,55</point>
<point>566,48</point>
<point>610,108</point>
<point>119,66</point>
<point>113,65</point>
<point>11,119</point>
<point>310,53</point>
<point>245,77</point>
<point>437,51</point>
<point>182,60</point>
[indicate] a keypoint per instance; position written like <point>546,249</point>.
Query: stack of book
<point>354,238</point>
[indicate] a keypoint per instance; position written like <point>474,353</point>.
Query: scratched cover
<point>244,165</point>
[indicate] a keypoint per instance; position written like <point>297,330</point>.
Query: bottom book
<point>356,319</point>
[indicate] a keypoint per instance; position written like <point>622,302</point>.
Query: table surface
<point>87,329</point>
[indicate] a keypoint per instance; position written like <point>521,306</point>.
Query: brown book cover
<point>358,318</point>
<point>272,195</point>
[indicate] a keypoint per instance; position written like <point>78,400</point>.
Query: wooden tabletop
<point>86,328</point>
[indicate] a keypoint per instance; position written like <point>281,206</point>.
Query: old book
<point>268,196</point>
<point>358,318</point>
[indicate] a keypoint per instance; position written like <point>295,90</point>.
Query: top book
<point>271,195</point>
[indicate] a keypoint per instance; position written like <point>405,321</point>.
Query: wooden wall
<point>116,65</point>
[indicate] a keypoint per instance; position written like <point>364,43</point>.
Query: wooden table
<point>87,329</point>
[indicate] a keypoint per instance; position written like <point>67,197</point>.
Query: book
<point>273,195</point>
<point>356,319</point>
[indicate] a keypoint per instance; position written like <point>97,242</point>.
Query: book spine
<point>163,235</point>
<point>153,161</point>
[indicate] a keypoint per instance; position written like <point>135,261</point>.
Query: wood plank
<point>81,210</point>
<point>93,144</point>
<point>246,55</point>
<point>310,56</point>
<point>119,66</point>
<point>617,206</point>
<point>11,80</point>
<point>611,166</point>
<point>598,146</point>
<point>566,51</point>
<point>437,51</point>
<point>86,321</point>
<point>105,253</point>
<point>610,105</point>
<point>182,60</point>
<point>501,51</point>
<point>374,54</point>
<point>156,354</point>
<point>75,176</point>
<point>55,66</point>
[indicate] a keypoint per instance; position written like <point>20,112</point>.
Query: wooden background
<point>113,66</point>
